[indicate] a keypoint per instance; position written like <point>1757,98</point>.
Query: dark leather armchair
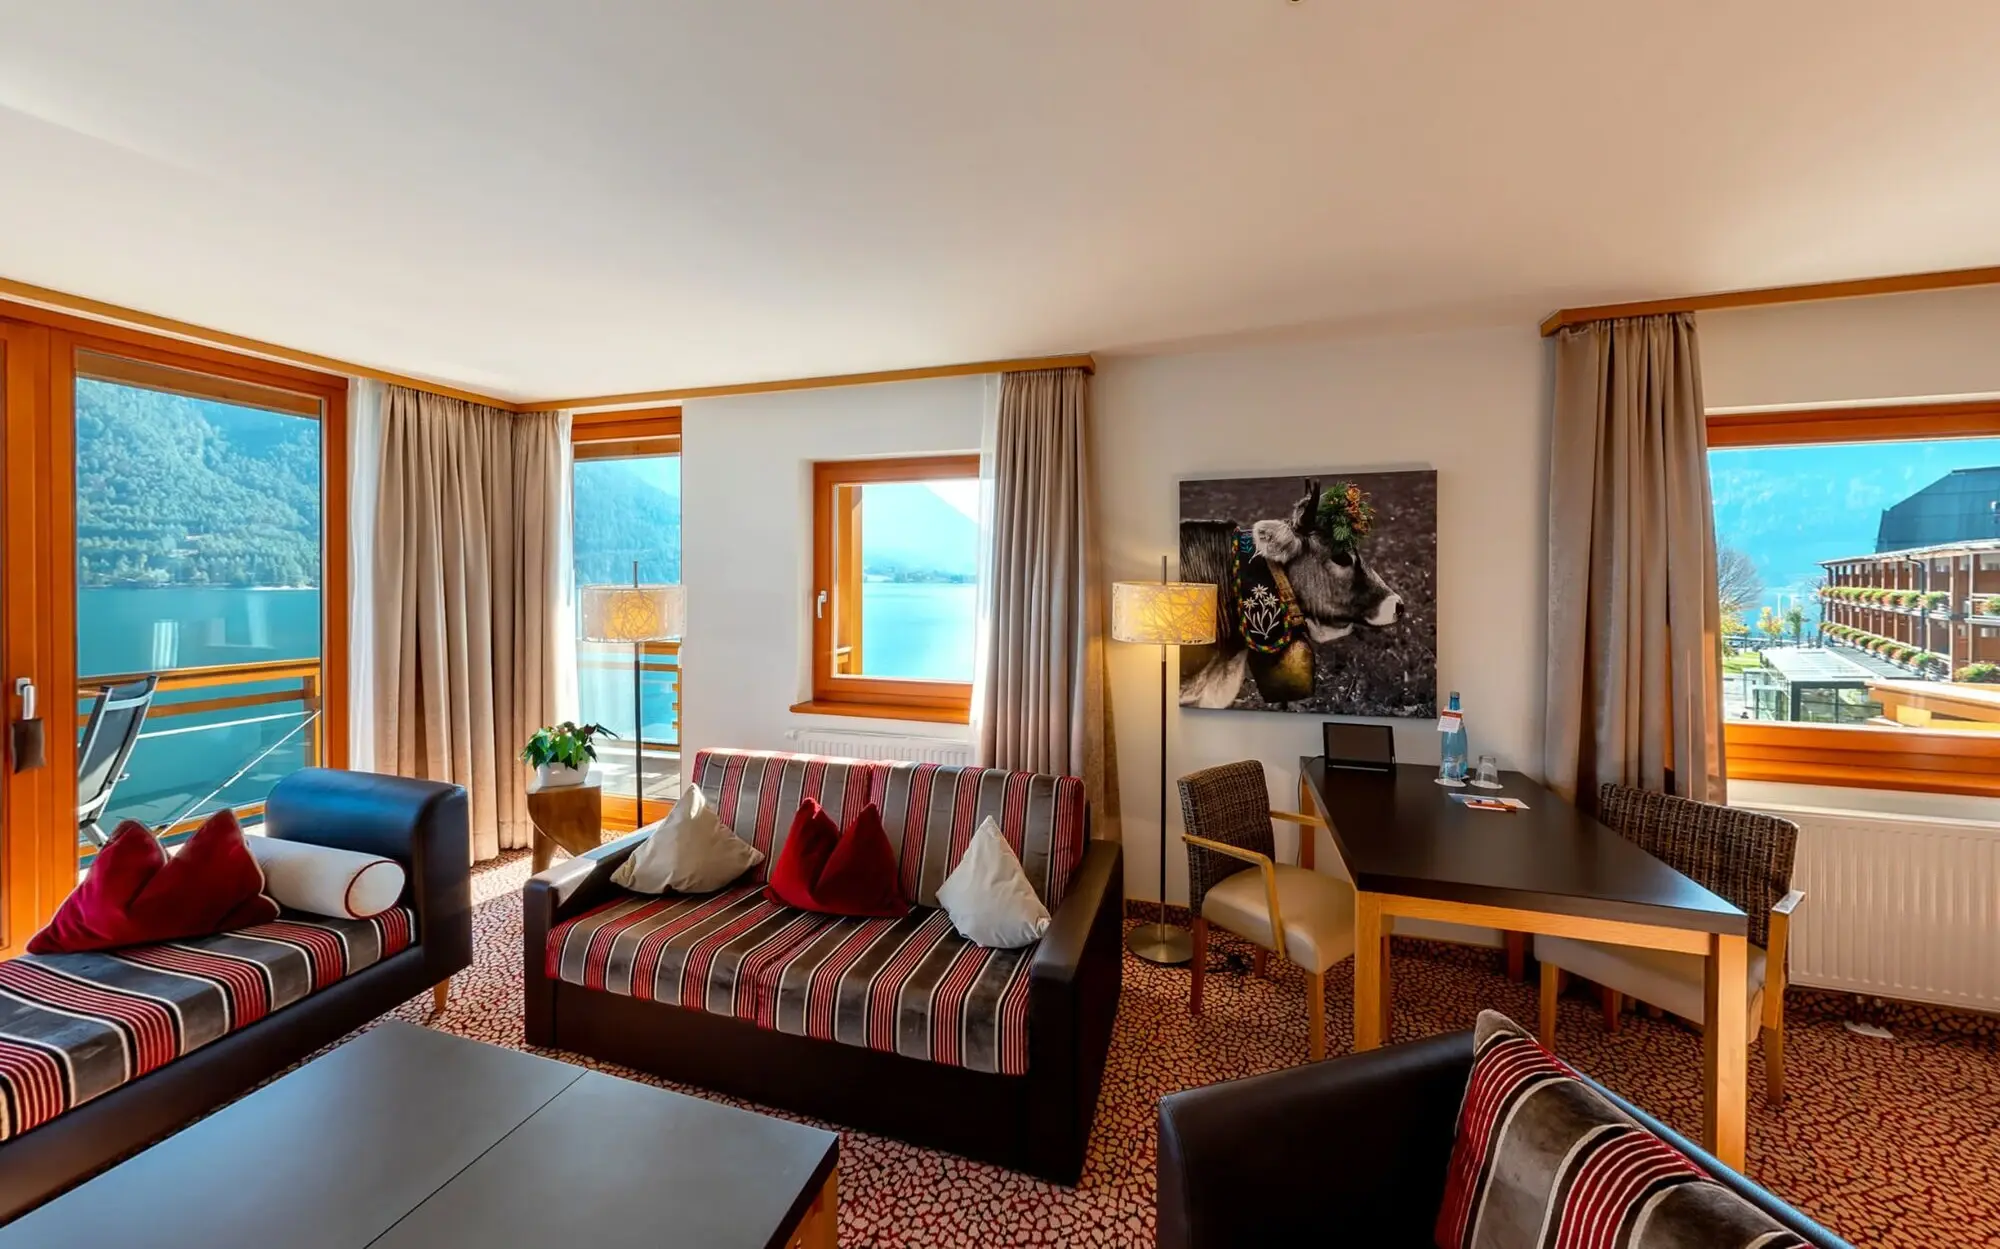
<point>1352,1151</point>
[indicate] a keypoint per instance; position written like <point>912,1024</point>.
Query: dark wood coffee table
<point>407,1137</point>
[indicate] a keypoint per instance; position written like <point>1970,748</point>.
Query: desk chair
<point>1293,911</point>
<point>1743,857</point>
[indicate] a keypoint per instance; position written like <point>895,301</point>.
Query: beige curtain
<point>1041,696</point>
<point>1634,690</point>
<point>471,598</point>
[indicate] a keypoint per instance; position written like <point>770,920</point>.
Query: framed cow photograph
<point>1327,593</point>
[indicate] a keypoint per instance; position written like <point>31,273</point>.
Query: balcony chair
<point>108,738</point>
<point>1742,856</point>
<point>1301,915</point>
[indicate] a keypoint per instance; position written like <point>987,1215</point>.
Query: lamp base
<point>1161,943</point>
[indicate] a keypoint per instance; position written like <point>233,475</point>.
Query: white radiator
<point>901,747</point>
<point>1897,906</point>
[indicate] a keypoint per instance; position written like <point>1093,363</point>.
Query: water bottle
<point>1453,754</point>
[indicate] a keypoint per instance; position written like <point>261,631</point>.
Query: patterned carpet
<point>1887,1142</point>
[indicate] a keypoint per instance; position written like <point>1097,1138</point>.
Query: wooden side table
<point>570,816</point>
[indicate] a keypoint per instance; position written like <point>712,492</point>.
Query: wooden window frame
<point>38,458</point>
<point>1860,756</point>
<point>835,529</point>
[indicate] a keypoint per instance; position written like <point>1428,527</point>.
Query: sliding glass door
<point>627,524</point>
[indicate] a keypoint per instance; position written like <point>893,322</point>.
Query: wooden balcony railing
<point>299,694</point>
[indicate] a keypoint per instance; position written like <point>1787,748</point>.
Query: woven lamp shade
<point>633,613</point>
<point>1163,613</point>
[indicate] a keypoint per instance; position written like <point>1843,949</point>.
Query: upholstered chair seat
<point>1663,978</point>
<point>1317,913</point>
<point>1744,857</point>
<point>1236,884</point>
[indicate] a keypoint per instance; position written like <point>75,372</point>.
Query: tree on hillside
<point>1737,585</point>
<point>1795,619</point>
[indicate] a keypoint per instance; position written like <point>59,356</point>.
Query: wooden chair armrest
<point>1789,903</point>
<point>1294,817</point>
<point>1264,864</point>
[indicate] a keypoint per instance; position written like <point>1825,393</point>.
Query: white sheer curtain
<point>982,644</point>
<point>364,488</point>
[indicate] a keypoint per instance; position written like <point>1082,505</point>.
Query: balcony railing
<point>293,693</point>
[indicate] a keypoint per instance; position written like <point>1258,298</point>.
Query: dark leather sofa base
<point>972,1113</point>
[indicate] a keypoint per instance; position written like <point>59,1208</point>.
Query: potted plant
<point>561,754</point>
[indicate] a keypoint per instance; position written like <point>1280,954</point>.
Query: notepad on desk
<point>1488,802</point>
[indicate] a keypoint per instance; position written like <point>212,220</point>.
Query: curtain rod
<point>1084,362</point>
<point>1853,288</point>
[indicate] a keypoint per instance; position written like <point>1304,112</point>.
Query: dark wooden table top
<point>1402,834</point>
<point>406,1136</point>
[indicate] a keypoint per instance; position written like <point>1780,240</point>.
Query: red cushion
<point>823,869</point>
<point>135,894</point>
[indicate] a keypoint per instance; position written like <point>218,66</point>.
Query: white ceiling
<point>557,197</point>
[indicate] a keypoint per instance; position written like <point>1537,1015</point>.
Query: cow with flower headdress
<point>1287,585</point>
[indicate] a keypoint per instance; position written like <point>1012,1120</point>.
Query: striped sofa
<point>101,1053</point>
<point>897,1026</point>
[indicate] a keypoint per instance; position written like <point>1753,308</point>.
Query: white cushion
<point>691,851</point>
<point>988,896</point>
<point>323,880</point>
<point>1663,978</point>
<point>1317,912</point>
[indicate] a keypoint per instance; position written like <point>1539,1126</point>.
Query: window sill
<point>886,711</point>
<point>1857,757</point>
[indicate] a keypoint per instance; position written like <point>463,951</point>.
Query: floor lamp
<point>637,614</point>
<point>1162,613</point>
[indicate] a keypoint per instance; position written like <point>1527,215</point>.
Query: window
<point>1858,555</point>
<point>895,569</point>
<point>199,554</point>
<point>627,529</point>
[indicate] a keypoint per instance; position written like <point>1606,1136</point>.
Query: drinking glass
<point>1488,776</point>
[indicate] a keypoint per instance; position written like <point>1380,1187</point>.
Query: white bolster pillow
<point>322,880</point>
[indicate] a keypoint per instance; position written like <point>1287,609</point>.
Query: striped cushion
<point>930,812</point>
<point>909,986</point>
<point>1542,1158</point>
<point>75,1026</point>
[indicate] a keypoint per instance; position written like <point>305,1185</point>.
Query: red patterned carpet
<point>1887,1142</point>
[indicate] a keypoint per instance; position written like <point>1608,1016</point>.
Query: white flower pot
<point>556,775</point>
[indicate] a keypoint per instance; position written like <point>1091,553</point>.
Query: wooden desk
<point>570,816</point>
<point>1411,851</point>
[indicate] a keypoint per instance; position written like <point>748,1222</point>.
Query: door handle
<point>819,605</point>
<point>26,740</point>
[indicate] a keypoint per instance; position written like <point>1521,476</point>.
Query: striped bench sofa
<point>102,1053</point>
<point>895,1026</point>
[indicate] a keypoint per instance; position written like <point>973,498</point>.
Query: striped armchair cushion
<point>75,1026</point>
<point>908,986</point>
<point>1541,1158</point>
<point>929,811</point>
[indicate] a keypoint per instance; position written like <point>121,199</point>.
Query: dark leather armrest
<point>568,888</point>
<point>1097,884</point>
<point>423,825</point>
<point>1359,1145</point>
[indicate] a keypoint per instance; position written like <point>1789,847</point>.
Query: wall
<point>746,558</point>
<point>1933,344</point>
<point>1474,406</point>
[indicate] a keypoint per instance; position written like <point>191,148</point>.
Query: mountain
<point>910,533</point>
<point>627,510</point>
<point>178,491</point>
